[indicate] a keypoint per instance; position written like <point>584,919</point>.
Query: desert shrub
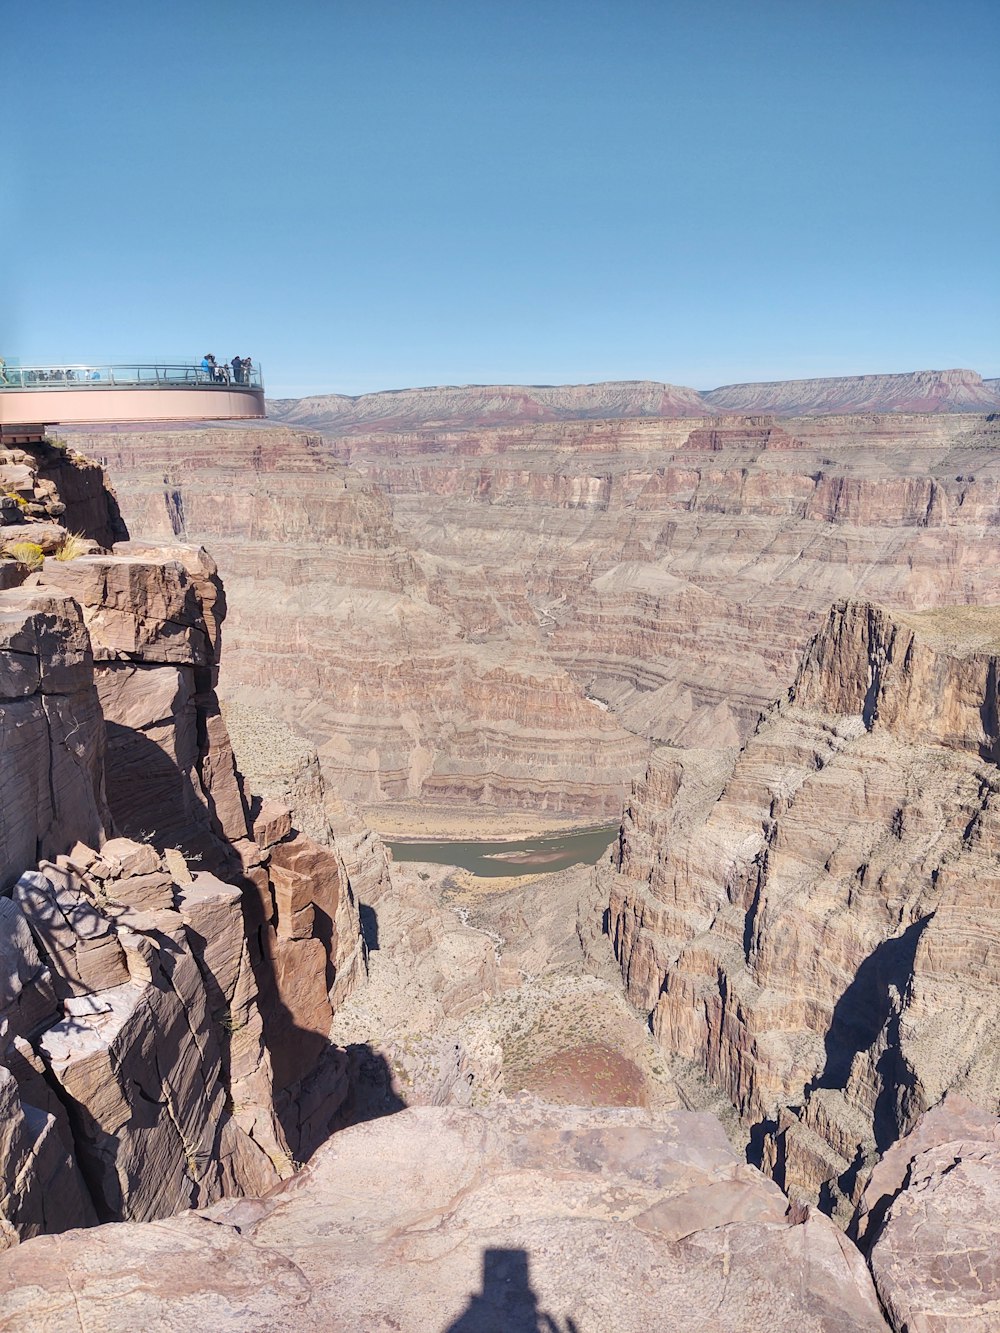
<point>19,500</point>
<point>72,545</point>
<point>28,553</point>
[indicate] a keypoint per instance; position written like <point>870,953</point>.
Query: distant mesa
<point>33,398</point>
<point>463,406</point>
<point>919,391</point>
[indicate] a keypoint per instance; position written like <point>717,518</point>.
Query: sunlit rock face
<point>814,920</point>
<point>519,1216</point>
<point>928,1221</point>
<point>506,618</point>
<point>919,391</point>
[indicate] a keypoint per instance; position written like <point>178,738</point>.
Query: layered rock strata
<point>343,635</point>
<point>501,620</point>
<point>918,391</point>
<point>815,919</point>
<point>510,1218</point>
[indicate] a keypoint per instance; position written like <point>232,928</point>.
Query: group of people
<point>236,371</point>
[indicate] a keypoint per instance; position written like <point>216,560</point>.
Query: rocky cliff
<point>499,622</point>
<point>814,920</point>
<point>417,695</point>
<point>169,972</point>
<point>807,915</point>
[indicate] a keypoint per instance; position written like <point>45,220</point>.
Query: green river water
<point>532,856</point>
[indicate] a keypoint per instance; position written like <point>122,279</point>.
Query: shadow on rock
<point>507,1303</point>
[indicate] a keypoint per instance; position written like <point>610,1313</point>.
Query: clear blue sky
<point>367,194</point>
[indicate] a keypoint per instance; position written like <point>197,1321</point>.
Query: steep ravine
<point>498,623</point>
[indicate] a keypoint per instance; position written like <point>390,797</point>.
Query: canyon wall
<point>500,622</point>
<point>814,920</point>
<point>805,903</point>
<point>170,971</point>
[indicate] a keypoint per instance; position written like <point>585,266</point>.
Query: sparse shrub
<point>228,1022</point>
<point>27,553</point>
<point>72,545</point>
<point>55,442</point>
<point>19,500</point>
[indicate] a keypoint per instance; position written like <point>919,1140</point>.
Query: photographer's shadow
<point>507,1303</point>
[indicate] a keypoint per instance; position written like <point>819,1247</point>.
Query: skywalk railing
<point>127,377</point>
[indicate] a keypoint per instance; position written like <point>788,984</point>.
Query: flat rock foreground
<point>742,1074</point>
<point>515,1218</point>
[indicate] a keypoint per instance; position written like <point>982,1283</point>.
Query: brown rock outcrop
<point>815,922</point>
<point>165,999</point>
<point>928,1218</point>
<point>45,486</point>
<point>447,1219</point>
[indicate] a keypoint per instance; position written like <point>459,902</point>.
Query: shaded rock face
<point>43,484</point>
<point>52,739</point>
<point>504,620</point>
<point>814,921</point>
<point>446,1219</point>
<point>168,974</point>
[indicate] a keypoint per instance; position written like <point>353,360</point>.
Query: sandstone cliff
<point>500,621</point>
<point>815,920</point>
<point>169,974</point>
